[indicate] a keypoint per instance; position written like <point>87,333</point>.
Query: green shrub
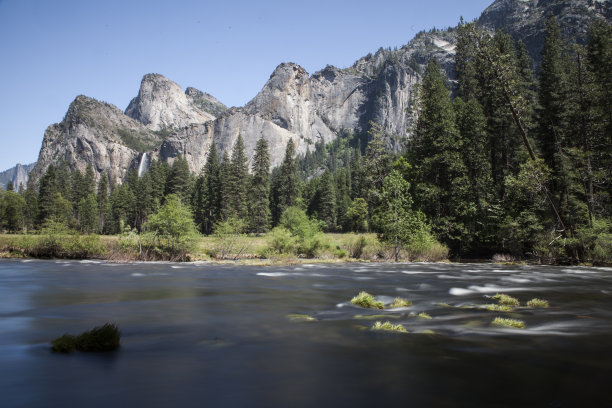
<point>388,326</point>
<point>281,241</point>
<point>537,303</point>
<point>400,302</point>
<point>364,299</point>
<point>498,308</point>
<point>424,315</point>
<point>64,344</point>
<point>231,240</point>
<point>362,246</point>
<point>506,300</point>
<point>512,323</point>
<point>103,338</point>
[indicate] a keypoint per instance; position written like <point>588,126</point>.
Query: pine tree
<point>327,201</point>
<point>441,185</point>
<point>238,180</point>
<point>88,214</point>
<point>179,179</point>
<point>285,184</point>
<point>102,199</point>
<point>46,195</point>
<point>259,197</point>
<point>225,188</point>
<point>211,191</point>
<point>10,186</point>
<point>13,209</point>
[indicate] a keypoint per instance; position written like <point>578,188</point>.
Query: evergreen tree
<point>46,195</point>
<point>102,199</point>
<point>9,186</point>
<point>441,184</point>
<point>212,191</point>
<point>327,201</point>
<point>179,179</point>
<point>259,197</point>
<point>63,180</point>
<point>31,198</point>
<point>285,184</point>
<point>238,181</point>
<point>88,214</point>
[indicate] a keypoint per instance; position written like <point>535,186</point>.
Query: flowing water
<point>222,336</point>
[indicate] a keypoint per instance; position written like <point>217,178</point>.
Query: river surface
<point>206,335</point>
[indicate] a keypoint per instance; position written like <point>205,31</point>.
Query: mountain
<point>18,175</point>
<point>163,121</point>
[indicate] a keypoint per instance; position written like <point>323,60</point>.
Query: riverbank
<point>240,249</point>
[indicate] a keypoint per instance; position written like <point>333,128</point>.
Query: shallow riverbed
<point>220,336</point>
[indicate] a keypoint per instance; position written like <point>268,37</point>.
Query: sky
<point>53,50</point>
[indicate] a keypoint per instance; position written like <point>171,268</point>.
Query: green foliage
<point>537,303</point>
<point>400,302</point>
<point>506,300</point>
<point>173,228</point>
<point>509,323</point>
<point>309,240</point>
<point>232,243</point>
<point>285,184</point>
<point>281,241</point>
<point>259,192</point>
<point>364,299</point>
<point>388,326</point>
<point>103,338</point>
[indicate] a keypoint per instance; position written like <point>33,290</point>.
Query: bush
<point>103,338</point>
<point>231,240</point>
<point>362,246</point>
<point>297,234</point>
<point>281,241</point>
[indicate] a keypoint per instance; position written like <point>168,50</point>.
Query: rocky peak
<point>162,104</point>
<point>526,19</point>
<point>205,101</point>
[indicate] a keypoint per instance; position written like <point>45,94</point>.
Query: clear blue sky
<point>54,50</point>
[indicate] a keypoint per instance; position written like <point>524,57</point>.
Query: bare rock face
<point>96,133</point>
<point>161,104</point>
<point>526,19</point>
<point>18,175</point>
<point>194,142</point>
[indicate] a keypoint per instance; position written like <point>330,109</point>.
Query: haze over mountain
<point>163,121</point>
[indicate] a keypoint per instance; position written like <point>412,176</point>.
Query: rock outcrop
<point>18,175</point>
<point>95,133</point>
<point>161,104</point>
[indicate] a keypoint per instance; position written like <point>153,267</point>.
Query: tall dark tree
<point>225,188</point>
<point>285,184</point>
<point>179,179</point>
<point>211,191</point>
<point>441,184</point>
<point>238,180</point>
<point>46,195</point>
<point>259,193</point>
<point>327,201</point>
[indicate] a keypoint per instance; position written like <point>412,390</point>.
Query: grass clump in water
<point>506,300</point>
<point>388,326</point>
<point>498,308</point>
<point>103,338</point>
<point>364,299</point>
<point>424,315</point>
<point>511,323</point>
<point>537,303</point>
<point>400,302</point>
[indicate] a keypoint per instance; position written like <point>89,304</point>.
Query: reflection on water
<point>204,335</point>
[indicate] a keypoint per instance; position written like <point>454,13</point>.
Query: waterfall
<point>143,166</point>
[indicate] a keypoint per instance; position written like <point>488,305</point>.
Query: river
<point>206,335</point>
